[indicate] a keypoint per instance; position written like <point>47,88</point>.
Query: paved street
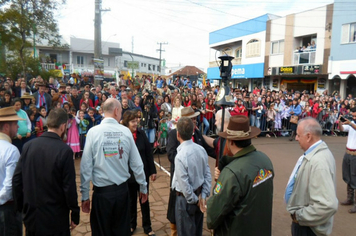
<point>283,154</point>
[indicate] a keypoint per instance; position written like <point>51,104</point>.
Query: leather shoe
<point>352,210</point>
<point>347,203</point>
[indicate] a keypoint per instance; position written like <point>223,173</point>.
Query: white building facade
<point>297,50</point>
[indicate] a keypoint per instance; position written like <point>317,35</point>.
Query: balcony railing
<point>236,61</point>
<point>48,66</point>
<point>305,57</point>
<point>52,66</point>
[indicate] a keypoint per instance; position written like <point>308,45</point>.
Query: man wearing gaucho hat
<point>10,222</point>
<point>42,98</point>
<point>242,197</point>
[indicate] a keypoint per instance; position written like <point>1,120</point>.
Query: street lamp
<point>223,98</point>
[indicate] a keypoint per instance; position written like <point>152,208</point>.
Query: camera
<point>346,117</point>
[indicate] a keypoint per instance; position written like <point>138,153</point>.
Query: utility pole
<point>132,44</point>
<point>160,55</point>
<point>97,34</point>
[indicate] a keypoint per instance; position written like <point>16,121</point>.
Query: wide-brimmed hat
<point>9,114</point>
<point>189,112</point>
<point>62,85</point>
<point>123,85</point>
<point>27,96</point>
<point>41,84</point>
<point>239,129</point>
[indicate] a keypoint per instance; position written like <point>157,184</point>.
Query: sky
<point>184,24</point>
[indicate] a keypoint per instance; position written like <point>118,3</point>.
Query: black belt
<point>11,202</point>
<point>197,192</point>
<point>110,188</point>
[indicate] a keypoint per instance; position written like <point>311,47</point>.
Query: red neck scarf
<point>135,135</point>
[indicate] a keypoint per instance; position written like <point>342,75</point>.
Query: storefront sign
<point>315,69</point>
<point>286,70</point>
<point>238,73</point>
<point>321,83</point>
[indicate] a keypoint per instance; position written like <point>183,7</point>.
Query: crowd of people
<point>82,120</point>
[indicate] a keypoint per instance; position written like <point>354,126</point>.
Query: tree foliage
<point>21,20</point>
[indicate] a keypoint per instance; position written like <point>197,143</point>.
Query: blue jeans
<point>252,120</point>
<point>150,133</point>
<point>206,126</point>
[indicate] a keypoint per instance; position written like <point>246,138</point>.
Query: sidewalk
<point>158,197</point>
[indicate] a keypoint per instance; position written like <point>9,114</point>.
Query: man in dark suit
<point>22,89</point>
<point>44,184</point>
<point>42,98</point>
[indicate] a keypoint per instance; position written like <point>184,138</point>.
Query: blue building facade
<point>342,61</point>
<point>244,41</point>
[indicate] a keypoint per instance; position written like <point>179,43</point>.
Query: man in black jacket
<point>172,145</point>
<point>44,184</point>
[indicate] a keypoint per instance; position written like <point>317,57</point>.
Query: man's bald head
<point>109,106</point>
<point>312,126</point>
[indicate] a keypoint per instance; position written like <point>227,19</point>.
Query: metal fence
<point>280,127</point>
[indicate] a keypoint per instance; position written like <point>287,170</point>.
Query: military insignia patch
<point>217,188</point>
<point>261,177</point>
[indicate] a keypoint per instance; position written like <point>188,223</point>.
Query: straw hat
<point>9,114</point>
<point>189,112</point>
<point>239,129</point>
<point>26,96</point>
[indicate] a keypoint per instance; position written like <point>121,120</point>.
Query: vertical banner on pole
<point>98,69</point>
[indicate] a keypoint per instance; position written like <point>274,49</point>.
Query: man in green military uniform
<point>243,193</point>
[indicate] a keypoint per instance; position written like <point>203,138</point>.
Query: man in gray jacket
<point>311,190</point>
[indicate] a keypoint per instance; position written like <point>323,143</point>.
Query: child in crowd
<point>332,122</point>
<point>73,133</point>
<point>306,111</point>
<point>139,117</point>
<point>92,118</point>
<point>83,108</point>
<point>83,129</point>
<point>34,109</point>
<point>164,133</point>
<point>170,125</point>
<point>41,122</point>
<point>66,107</point>
<point>271,115</point>
<point>31,115</point>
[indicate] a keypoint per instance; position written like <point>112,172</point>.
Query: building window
<point>348,34</point>
<point>153,67</point>
<point>108,61</point>
<point>277,47</point>
<point>238,52</point>
<point>253,48</point>
<point>125,63</point>
<point>149,66</point>
<point>80,60</point>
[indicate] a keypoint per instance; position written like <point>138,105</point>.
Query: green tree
<point>23,20</point>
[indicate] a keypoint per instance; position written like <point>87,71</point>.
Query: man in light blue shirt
<point>109,151</point>
<point>191,180</point>
<point>10,221</point>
